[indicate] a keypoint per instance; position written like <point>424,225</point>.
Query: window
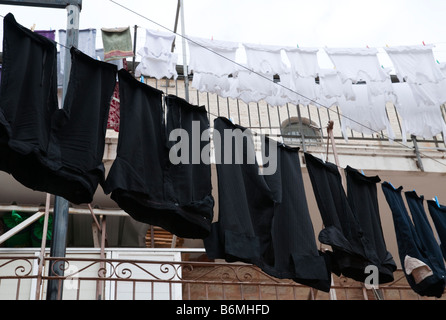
<point>294,128</point>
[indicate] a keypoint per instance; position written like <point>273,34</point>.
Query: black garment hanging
<point>295,254</point>
<point>363,200</point>
<point>438,215</point>
<point>264,219</point>
<point>53,150</point>
<point>414,254</point>
<point>246,203</point>
<point>28,91</point>
<point>341,228</point>
<point>142,180</point>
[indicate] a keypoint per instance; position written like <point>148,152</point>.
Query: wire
<point>277,83</point>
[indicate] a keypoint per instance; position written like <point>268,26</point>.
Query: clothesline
<point>317,103</point>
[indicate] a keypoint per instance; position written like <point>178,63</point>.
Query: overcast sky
<point>315,23</point>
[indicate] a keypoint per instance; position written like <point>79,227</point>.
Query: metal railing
<point>143,279</point>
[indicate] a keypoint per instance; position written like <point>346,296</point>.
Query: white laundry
<point>158,44</point>
<point>333,88</point>
<point>265,59</point>
<point>365,115</point>
<point>212,56</point>
<point>303,61</point>
<point>86,44</point>
<point>415,64</point>
<point>254,86</point>
<point>357,63</point>
<point>361,64</point>
<point>157,68</point>
<point>305,88</point>
<point>419,120</point>
<point>206,82</point>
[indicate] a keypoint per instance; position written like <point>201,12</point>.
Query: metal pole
<point>185,70</point>
<point>61,205</point>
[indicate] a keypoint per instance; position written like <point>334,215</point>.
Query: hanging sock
<point>423,276</point>
<point>117,43</point>
<point>142,180</point>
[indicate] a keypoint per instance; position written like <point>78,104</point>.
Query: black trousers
<point>142,179</point>
<point>415,241</point>
<point>363,200</point>
<point>352,251</point>
<point>438,215</point>
<point>53,150</point>
<point>264,219</point>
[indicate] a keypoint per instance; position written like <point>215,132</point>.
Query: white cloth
<point>265,59</point>
<point>332,88</point>
<point>415,64</point>
<point>361,64</point>
<point>365,115</point>
<point>158,68</point>
<point>417,268</point>
<point>357,63</point>
<point>253,86</point>
<point>157,60</point>
<point>303,61</point>
<point>212,56</point>
<point>212,62</point>
<point>158,44</point>
<point>420,120</point>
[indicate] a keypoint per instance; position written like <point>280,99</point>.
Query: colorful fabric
<point>117,43</point>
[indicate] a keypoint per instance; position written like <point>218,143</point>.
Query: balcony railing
<point>86,277</point>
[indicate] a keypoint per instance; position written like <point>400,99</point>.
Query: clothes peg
<point>436,201</point>
<point>142,79</point>
<point>424,43</point>
<point>391,185</point>
<point>33,27</point>
<point>362,171</point>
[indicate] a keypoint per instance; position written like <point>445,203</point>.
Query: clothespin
<point>424,43</point>
<point>367,46</point>
<point>436,201</point>
<point>362,171</point>
<point>387,45</point>
<point>33,27</point>
<point>142,79</point>
<point>391,185</point>
<point>438,62</point>
<point>297,45</point>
